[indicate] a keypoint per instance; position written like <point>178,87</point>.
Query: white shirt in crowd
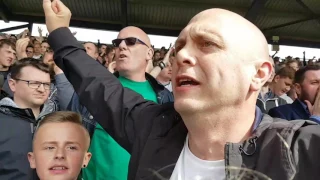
<point>189,167</point>
<point>169,86</point>
<point>287,98</point>
<point>37,57</point>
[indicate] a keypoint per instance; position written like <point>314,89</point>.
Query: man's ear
<point>31,160</point>
<point>276,78</point>
<point>150,54</point>
<point>12,84</point>
<point>262,74</point>
<point>297,88</point>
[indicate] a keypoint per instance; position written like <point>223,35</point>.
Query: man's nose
<point>185,57</point>
<point>41,88</point>
<point>123,45</point>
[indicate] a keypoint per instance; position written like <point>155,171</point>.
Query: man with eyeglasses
<point>29,51</point>
<point>30,83</point>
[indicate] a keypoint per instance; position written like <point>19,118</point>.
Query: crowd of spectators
<point>72,109</point>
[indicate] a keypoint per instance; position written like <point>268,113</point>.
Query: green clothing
<point>143,88</point>
<point>109,160</point>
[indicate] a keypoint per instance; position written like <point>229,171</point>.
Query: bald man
<point>91,49</point>
<point>216,131</point>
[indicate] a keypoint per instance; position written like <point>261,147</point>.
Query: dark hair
<point>286,72</point>
<point>300,74</point>
<point>38,64</point>
<point>12,35</point>
<point>109,49</point>
<point>30,46</point>
<point>157,51</point>
<point>44,41</point>
<point>103,45</point>
<point>7,42</point>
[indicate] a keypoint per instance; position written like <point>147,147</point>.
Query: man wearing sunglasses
<point>30,83</point>
<point>133,53</point>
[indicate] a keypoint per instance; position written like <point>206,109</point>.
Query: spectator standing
<point>30,82</point>
<point>307,81</point>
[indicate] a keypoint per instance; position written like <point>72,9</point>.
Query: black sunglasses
<point>130,41</point>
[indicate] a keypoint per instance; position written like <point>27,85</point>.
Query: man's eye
<point>207,44</point>
<point>49,148</point>
<point>72,148</point>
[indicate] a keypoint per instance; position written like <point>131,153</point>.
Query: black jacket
<point>154,134</point>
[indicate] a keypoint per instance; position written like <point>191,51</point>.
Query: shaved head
<point>235,30</point>
<point>225,52</point>
<point>136,32</point>
<point>132,58</point>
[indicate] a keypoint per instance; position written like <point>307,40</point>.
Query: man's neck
<point>209,132</point>
<point>35,110</point>
<point>264,90</point>
<point>137,77</point>
<point>163,81</point>
<point>271,87</point>
<point>37,54</point>
<point>4,68</point>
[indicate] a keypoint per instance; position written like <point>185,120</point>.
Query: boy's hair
<point>63,117</point>
<point>299,76</point>
<point>16,68</point>
<point>286,72</point>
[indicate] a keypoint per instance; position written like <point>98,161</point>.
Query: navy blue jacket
<point>294,111</point>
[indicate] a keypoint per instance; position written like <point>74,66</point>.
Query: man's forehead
<point>8,48</point>
<point>312,74</point>
<point>134,32</point>
<point>202,27</point>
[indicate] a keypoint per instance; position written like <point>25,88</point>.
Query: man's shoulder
<point>288,128</point>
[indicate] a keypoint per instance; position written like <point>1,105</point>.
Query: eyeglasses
<point>29,51</point>
<point>130,41</point>
<point>36,84</point>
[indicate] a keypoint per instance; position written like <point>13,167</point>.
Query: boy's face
<point>59,151</point>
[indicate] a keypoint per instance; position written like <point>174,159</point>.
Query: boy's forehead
<point>60,132</point>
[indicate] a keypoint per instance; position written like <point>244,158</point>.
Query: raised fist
<point>57,14</point>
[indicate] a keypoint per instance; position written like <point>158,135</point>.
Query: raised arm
<point>115,108</point>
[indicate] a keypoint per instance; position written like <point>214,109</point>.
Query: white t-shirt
<point>190,167</point>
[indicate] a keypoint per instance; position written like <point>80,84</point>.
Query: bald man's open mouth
<point>185,82</point>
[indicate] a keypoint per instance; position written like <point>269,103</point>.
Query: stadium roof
<point>296,22</point>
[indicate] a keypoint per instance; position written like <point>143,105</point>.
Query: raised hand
<point>40,30</point>
<point>21,47</point>
<point>57,14</point>
<point>166,58</point>
<point>315,108</point>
